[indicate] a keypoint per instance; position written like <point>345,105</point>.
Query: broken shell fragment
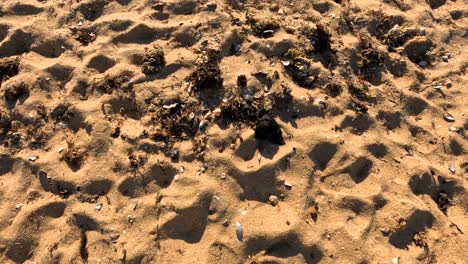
<point>170,106</point>
<point>239,231</point>
<point>451,168</point>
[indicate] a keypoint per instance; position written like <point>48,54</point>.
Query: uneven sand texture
<point>147,131</point>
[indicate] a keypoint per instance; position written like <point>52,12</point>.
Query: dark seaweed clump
<point>266,128</point>
<point>153,61</point>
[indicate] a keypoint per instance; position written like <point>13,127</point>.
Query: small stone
<point>98,207</point>
<point>445,58</point>
<point>395,260</point>
<point>268,33</point>
<point>18,206</point>
<point>286,63</point>
<point>32,157</point>
<point>114,237</point>
<point>116,132</point>
<point>223,176</point>
<point>288,185</point>
<point>454,129</point>
<point>176,177</point>
<point>211,7</point>
<point>273,200</point>
<point>422,63</point>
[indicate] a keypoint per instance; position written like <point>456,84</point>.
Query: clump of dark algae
<point>299,67</point>
<point>267,129</point>
<point>83,35</point>
<point>73,156</point>
<point>206,81</point>
<point>320,38</point>
<point>153,61</point>
<point>370,59</point>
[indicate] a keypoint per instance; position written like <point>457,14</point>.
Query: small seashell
<point>449,118</point>
<point>181,169</point>
<point>445,58</point>
<point>452,168</point>
<point>239,231</point>
<point>98,206</point>
<point>203,124</point>
<point>176,178</point>
<point>268,33</point>
<point>60,149</point>
<point>170,106</point>
<point>288,185</point>
<point>286,63</point>
<point>32,157</point>
<point>454,129</point>
<point>438,87</point>
<point>395,260</point>
<point>18,206</point>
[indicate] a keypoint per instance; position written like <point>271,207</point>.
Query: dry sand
<point>143,131</point>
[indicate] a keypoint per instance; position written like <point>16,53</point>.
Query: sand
<point>224,131</point>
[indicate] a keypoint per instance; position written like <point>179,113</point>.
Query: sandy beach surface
<point>233,131</point>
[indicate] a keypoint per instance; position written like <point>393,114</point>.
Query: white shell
<point>451,168</point>
<point>239,231</point>
<point>449,118</point>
